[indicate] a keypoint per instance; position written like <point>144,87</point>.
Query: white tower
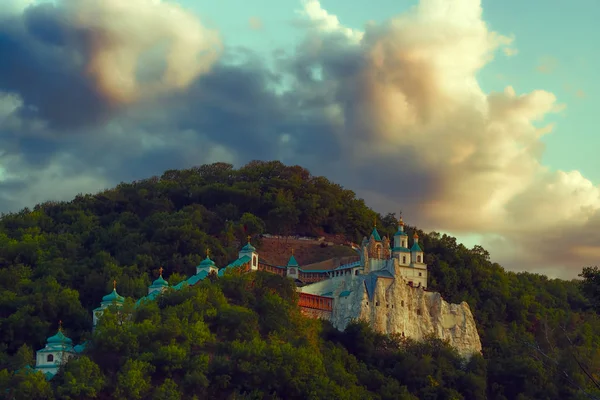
<point>57,352</point>
<point>417,262</point>
<point>113,298</point>
<point>292,270</point>
<point>250,251</point>
<point>400,250</point>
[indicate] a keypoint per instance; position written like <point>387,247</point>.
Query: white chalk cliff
<point>388,291</point>
<point>395,307</point>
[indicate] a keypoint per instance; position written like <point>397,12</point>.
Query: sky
<point>473,117</point>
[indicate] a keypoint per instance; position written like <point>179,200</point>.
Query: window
<point>377,304</point>
<point>355,272</point>
<point>402,303</point>
<point>254,261</point>
<point>418,258</point>
<point>50,358</point>
<point>420,274</point>
<point>403,259</point>
<point>378,251</point>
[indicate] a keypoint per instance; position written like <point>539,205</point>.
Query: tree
<point>82,379</point>
<point>591,285</point>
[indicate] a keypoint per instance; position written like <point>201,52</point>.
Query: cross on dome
<point>114,284</point>
<point>160,271</point>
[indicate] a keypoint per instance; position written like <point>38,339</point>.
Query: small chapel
<point>322,286</point>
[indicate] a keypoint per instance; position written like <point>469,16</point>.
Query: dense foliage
<point>242,336</point>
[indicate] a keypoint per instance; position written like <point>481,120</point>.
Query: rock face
<point>390,305</point>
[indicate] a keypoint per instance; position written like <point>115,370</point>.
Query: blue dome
<point>375,235</point>
<point>207,262</point>
<point>59,338</point>
<point>160,282</point>
<point>113,296</point>
<point>292,262</point>
<point>248,248</point>
<point>416,247</point>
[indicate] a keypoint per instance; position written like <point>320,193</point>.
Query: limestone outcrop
<point>390,305</point>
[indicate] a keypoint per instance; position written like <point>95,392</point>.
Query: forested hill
<point>243,336</point>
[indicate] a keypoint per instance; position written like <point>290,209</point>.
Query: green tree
<point>82,379</point>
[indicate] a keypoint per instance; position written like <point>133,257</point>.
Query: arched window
<point>50,358</point>
<point>418,258</point>
<point>403,259</point>
<point>254,261</point>
<point>379,251</point>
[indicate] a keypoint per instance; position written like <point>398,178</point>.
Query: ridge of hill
<point>58,259</point>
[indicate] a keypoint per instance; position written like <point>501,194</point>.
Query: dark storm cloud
<point>45,73</point>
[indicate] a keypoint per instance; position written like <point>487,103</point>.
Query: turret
<point>159,285</point>
<point>111,299</point>
<point>416,251</point>
<point>292,267</point>
<point>207,265</point>
<point>57,351</point>
<point>250,251</point>
<point>418,264</point>
<point>375,244</point>
<point>400,250</point>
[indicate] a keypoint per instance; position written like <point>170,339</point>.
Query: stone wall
<point>314,313</point>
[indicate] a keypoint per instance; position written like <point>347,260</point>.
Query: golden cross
<point>375,221</point>
<point>115,284</point>
<point>60,325</point>
<point>160,270</point>
<point>207,252</point>
<point>292,251</point>
<point>249,237</point>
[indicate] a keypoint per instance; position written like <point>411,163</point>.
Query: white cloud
<point>325,22</point>
<point>120,32</point>
<point>417,91</point>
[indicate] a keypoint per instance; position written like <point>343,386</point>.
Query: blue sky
<point>424,106</point>
<point>554,38</point>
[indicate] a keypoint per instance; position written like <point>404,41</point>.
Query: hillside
<point>278,251</point>
<point>230,339</point>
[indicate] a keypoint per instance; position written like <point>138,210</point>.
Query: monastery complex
<point>384,284</point>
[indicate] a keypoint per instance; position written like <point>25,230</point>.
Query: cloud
<point>101,55</point>
<point>547,65</point>
<point>510,51</point>
<point>255,23</point>
<point>394,112</point>
<point>323,21</point>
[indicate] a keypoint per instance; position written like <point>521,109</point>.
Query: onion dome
<point>113,297</point>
